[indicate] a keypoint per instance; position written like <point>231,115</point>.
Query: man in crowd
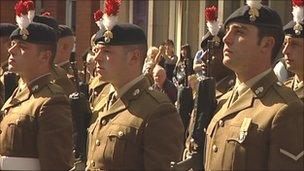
<point>259,124</point>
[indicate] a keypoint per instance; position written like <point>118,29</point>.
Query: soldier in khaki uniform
<point>5,31</point>
<point>137,127</point>
<point>294,55</point>
<point>259,124</point>
<point>59,75</point>
<point>35,122</point>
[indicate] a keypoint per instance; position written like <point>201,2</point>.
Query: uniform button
<point>95,93</point>
<point>136,92</point>
<point>103,122</point>
<point>93,163</point>
<point>279,83</point>
<point>221,123</point>
<point>214,148</point>
<point>5,111</point>
<point>120,133</point>
<point>97,142</point>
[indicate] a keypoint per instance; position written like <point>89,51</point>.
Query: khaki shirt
<point>140,131</point>
<point>261,130</point>
<point>296,86</point>
<point>36,122</point>
<point>96,86</point>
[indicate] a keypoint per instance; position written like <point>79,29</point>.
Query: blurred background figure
<point>163,84</point>
<point>184,66</point>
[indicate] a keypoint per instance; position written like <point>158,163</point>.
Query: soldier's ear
<point>267,43</point>
<point>134,56</point>
<point>45,56</point>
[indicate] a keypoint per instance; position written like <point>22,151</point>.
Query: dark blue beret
<point>123,34</point>
<point>65,31</point>
<point>50,21</point>
<point>38,33</point>
<point>288,30</point>
<point>268,17</point>
<point>6,29</point>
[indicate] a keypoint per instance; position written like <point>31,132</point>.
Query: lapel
<point>102,98</point>
<point>299,90</point>
<point>20,96</point>
<point>257,91</point>
<point>123,102</point>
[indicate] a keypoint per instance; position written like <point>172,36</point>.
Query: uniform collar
<point>243,87</point>
<point>140,84</point>
<point>120,92</point>
<point>23,92</point>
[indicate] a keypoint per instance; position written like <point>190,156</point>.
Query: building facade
<point>182,21</point>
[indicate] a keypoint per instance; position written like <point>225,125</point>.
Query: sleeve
<point>55,135</point>
<point>163,138</point>
<point>286,139</point>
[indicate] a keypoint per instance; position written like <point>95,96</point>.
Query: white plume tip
<point>298,14</point>
<point>213,27</point>
<point>109,21</point>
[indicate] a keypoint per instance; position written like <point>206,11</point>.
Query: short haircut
<point>277,34</point>
<point>50,47</point>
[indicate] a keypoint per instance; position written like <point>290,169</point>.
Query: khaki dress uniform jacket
<point>140,131</point>
<point>262,130</point>
<point>299,89</point>
<point>35,122</point>
<point>60,77</point>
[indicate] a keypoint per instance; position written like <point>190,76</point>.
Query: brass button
<point>92,163</point>
<point>97,142</point>
<point>103,122</point>
<point>214,148</point>
<point>120,133</point>
<point>221,123</point>
<point>5,111</point>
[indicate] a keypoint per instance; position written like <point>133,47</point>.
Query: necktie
<point>235,96</point>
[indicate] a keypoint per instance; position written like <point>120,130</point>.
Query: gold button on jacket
<point>262,131</point>
<point>140,131</point>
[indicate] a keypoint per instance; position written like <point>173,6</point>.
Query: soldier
<point>224,77</point>
<point>259,124</point>
<point>5,31</point>
<point>59,75</point>
<point>293,52</point>
<point>137,127</point>
<point>35,122</point>
<point>65,47</point>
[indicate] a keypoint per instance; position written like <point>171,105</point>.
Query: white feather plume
<point>298,14</point>
<point>213,27</point>
<point>109,21</point>
<point>31,15</point>
<point>23,21</point>
<point>254,3</point>
<point>99,24</point>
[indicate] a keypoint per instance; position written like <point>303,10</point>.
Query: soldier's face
<point>241,49</point>
<point>23,57</point>
<point>293,53</point>
<point>111,62</point>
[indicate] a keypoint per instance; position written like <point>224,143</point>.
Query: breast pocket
<point>243,148</point>
<point>120,145</point>
<point>16,129</point>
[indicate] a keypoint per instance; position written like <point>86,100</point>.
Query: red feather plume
<point>21,8</point>
<point>98,15</point>
<point>299,3</point>
<point>46,13</point>
<point>211,13</point>
<point>112,7</point>
<point>29,5</point>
